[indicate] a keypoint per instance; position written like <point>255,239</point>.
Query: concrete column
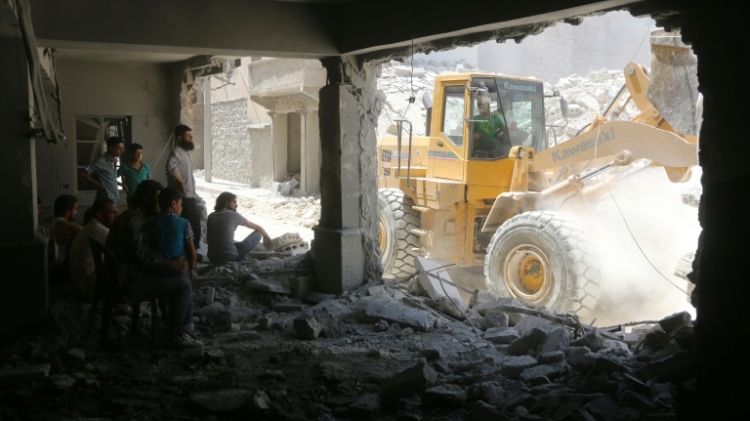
<point>723,288</point>
<point>310,182</point>
<point>24,300</point>
<point>279,131</point>
<point>207,127</point>
<point>345,246</point>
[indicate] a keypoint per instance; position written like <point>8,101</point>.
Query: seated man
<point>489,131</point>
<point>220,228</point>
<point>63,230</point>
<point>97,221</point>
<point>128,240</point>
<point>170,235</point>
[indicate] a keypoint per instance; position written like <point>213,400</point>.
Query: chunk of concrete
<point>379,291</point>
<point>396,312</point>
<point>365,407</point>
<point>551,357</point>
<point>500,335</point>
<point>431,279</point>
<point>265,285</point>
<point>480,296</point>
<point>496,318</point>
<point>542,374</point>
<point>443,396</point>
<point>528,323</point>
<point>221,400</point>
<point>259,400</point>
<point>409,381</point>
<point>302,286</point>
<point>288,307</point>
<point>671,323</point>
<point>528,342</point>
<point>558,339</point>
<point>591,340</point>
<point>490,392</point>
<point>306,327</point>
<point>514,366</point>
<point>585,363</point>
<point>452,307</point>
<point>482,411</point>
<point>29,373</point>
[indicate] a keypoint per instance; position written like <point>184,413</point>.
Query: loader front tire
<point>544,258</point>
<point>397,219</point>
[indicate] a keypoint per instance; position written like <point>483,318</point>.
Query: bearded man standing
<point>180,177</point>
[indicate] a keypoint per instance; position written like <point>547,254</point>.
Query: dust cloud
<point>663,229</point>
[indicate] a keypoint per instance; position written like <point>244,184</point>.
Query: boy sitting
<point>170,235</point>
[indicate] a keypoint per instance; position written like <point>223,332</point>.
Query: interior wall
<point>106,89</point>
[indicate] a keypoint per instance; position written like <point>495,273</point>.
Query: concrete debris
<point>437,284</point>
<point>407,382</point>
<point>332,359</point>
<point>221,400</point>
<point>396,312</point>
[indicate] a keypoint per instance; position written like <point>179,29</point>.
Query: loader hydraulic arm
<point>608,139</point>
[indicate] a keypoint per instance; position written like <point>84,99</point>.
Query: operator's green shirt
<point>486,128</point>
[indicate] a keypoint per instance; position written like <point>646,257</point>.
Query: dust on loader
<point>507,204</point>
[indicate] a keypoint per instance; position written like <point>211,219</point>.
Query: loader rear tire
<point>397,219</point>
<point>544,258</point>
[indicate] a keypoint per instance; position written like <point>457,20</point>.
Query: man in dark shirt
<point>128,240</point>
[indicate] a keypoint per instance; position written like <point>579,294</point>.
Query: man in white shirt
<point>179,169</point>
<point>98,219</point>
<point>221,226</point>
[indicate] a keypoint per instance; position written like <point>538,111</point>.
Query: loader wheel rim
<point>527,273</point>
<point>382,235</point>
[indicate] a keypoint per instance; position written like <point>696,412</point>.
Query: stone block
<point>443,396</point>
<point>496,318</point>
<point>453,307</point>
<point>499,335</point>
<point>528,323</point>
<point>530,341</point>
<point>490,392</point>
<point>407,382</point>
<point>365,407</point>
<point>558,339</point>
<point>547,372</point>
<point>30,373</point>
<point>221,400</point>
<point>514,366</point>
<point>591,340</point>
<point>397,312</point>
<point>306,327</point>
<point>551,357</point>
<point>480,296</point>
<point>302,286</point>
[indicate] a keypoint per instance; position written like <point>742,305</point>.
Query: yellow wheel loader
<point>487,186</point>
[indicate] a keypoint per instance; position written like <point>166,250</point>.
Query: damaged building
<point>323,335</point>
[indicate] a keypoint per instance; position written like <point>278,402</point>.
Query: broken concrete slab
<point>407,382</point>
<point>528,323</point>
<point>584,363</point>
<point>482,411</point>
<point>443,396</point>
<point>396,312</point>
<point>379,291</point>
<point>221,400</point>
<point>30,373</point>
<point>499,305</point>
<point>259,401</point>
<point>431,278</point>
<point>330,327</point>
<point>453,307</point>
<point>265,285</point>
<point>318,297</point>
<point>480,296</point>
<point>501,335</point>
<point>591,340</point>
<point>336,309</point>
<point>514,366</point>
<point>302,286</point>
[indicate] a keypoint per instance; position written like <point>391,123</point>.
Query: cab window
<point>453,114</point>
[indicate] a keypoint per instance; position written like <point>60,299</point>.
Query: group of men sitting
<point>155,249</point>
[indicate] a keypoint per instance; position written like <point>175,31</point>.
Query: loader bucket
<point>673,85</point>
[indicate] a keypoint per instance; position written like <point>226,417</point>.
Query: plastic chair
<point>108,292</point>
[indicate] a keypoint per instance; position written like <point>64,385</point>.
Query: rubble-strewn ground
<point>380,352</point>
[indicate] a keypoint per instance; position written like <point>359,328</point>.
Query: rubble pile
<point>276,349</point>
<point>587,96</point>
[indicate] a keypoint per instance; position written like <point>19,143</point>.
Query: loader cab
<point>504,113</point>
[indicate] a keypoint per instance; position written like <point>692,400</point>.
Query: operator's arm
<point>266,238</point>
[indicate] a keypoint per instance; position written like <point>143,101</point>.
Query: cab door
<point>447,144</point>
